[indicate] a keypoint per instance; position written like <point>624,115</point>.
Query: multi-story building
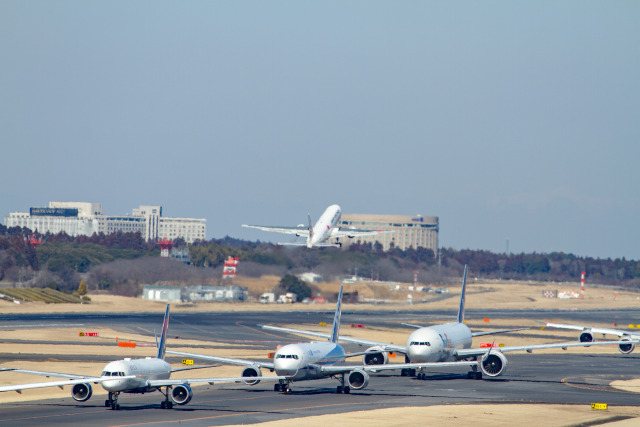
<point>408,231</point>
<point>84,219</point>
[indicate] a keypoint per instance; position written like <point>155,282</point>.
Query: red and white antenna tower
<point>582,281</point>
<point>165,246</point>
<point>230,267</point>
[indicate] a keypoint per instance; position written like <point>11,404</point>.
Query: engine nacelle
<point>586,336</point>
<point>358,379</point>
<point>181,394</point>
<point>375,356</point>
<point>626,348</point>
<point>251,371</point>
<point>494,364</point>
<point>81,392</point>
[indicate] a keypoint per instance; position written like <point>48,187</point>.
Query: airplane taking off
<point>587,335</point>
<point>321,232</point>
<point>129,376</point>
<point>317,360</point>
<point>443,344</point>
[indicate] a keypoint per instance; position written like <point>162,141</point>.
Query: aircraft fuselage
<point>303,361</point>
<point>143,369</point>
<point>323,228</point>
<point>438,343</point>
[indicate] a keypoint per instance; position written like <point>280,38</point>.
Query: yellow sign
<point>322,323</point>
<point>601,406</point>
<point>187,362</point>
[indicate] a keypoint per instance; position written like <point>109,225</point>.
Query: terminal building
<point>85,219</point>
<point>407,231</point>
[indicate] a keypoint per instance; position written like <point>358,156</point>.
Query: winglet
<point>335,331</point>
<point>464,285</point>
<point>162,346</point>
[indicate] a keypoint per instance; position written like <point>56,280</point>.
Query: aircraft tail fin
<point>162,345</point>
<point>464,286</point>
<point>310,237</point>
<point>335,331</point>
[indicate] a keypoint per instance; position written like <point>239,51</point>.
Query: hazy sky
<point>513,120</point>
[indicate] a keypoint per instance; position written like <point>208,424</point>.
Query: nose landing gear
<point>112,401</point>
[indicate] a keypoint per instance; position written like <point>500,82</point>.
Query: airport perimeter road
<point>541,379</point>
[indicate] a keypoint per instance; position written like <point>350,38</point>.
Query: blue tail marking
<point>335,331</point>
<point>464,286</point>
<point>162,346</point>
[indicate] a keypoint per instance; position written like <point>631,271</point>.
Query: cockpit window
<point>287,356</point>
<point>427,343</point>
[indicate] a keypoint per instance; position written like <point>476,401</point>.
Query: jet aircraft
<point>320,233</point>
<point>317,360</point>
<point>442,344</point>
<point>129,376</point>
<point>587,335</point>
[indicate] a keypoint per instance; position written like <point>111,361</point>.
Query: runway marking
<point>46,325</point>
<point>46,416</point>
<point>183,420</point>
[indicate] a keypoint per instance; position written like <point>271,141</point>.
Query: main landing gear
<point>166,403</point>
<point>283,386</point>
<point>342,388</point>
<point>474,374</point>
<point>112,401</point>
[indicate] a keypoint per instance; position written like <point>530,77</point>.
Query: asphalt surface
<point>567,378</point>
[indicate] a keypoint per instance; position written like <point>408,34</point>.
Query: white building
<point>409,231</point>
<point>85,219</point>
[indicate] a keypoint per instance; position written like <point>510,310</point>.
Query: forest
<point>121,263</point>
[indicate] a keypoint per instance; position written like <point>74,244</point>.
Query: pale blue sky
<point>515,119</point>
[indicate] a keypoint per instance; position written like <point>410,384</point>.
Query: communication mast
<point>230,267</point>
<point>165,247</point>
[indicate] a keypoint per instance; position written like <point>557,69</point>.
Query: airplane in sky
<point>441,344</point>
<point>129,376</point>
<point>587,335</point>
<point>317,360</point>
<point>320,233</point>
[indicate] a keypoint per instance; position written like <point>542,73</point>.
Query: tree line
<point>122,262</point>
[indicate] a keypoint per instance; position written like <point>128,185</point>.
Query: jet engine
<point>181,394</point>
<point>586,336</point>
<point>626,348</point>
<point>251,371</point>
<point>493,364</point>
<point>375,356</point>
<point>358,379</point>
<point>81,392</point>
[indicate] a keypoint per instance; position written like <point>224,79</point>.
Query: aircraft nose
<point>286,367</point>
<point>114,385</point>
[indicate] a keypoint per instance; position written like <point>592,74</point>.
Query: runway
<point>530,378</point>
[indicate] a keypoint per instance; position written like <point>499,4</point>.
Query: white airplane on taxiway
<point>318,360</point>
<point>441,345</point>
<point>130,376</point>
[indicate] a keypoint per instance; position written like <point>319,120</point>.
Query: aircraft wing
<point>352,232</point>
<point>49,374</point>
<point>333,369</point>
<point>501,331</point>
<point>61,384</point>
<point>471,352</point>
<point>384,346</point>
<point>605,331</point>
<point>211,381</point>
<point>299,230</point>
<point>225,360</point>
